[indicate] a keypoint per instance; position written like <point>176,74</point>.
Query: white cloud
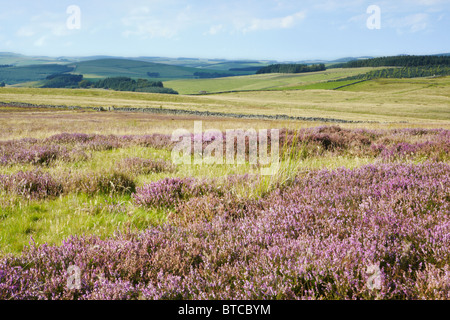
<point>333,5</point>
<point>40,42</point>
<point>26,31</point>
<point>270,24</point>
<point>213,30</point>
<point>43,26</point>
<point>148,28</point>
<point>429,2</point>
<point>411,23</point>
<point>146,23</point>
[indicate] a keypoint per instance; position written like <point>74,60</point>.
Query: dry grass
<point>424,102</point>
<point>40,123</point>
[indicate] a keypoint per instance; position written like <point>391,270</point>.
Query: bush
<point>31,184</point>
<point>95,183</point>
<point>169,192</point>
<point>145,166</point>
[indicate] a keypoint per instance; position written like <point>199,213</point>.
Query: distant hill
<point>216,64</point>
<point>102,68</point>
<point>22,60</point>
<point>398,61</point>
<point>347,59</point>
<point>36,72</point>
<point>105,68</point>
<point>18,68</point>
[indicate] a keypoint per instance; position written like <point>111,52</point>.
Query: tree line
<point>13,74</point>
<point>62,81</point>
<point>153,74</point>
<point>405,72</point>
<point>245,69</point>
<point>209,75</point>
<point>113,83</point>
<point>128,84</point>
<point>397,61</point>
<point>291,68</point>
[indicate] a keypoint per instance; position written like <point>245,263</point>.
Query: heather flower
<point>145,166</point>
<point>325,235</point>
<point>168,192</point>
<point>31,184</point>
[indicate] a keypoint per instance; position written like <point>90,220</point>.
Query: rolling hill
<point>271,81</point>
<point>18,60</point>
<point>102,68</point>
<point>183,73</point>
<point>14,75</point>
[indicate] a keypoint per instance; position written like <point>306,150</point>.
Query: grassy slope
<point>386,100</point>
<point>14,75</point>
<point>21,60</point>
<point>223,65</point>
<point>260,81</point>
<point>99,68</point>
<point>133,69</point>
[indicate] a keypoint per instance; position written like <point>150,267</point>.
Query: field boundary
<point>183,112</point>
<point>350,84</point>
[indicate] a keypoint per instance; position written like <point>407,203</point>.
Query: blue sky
<point>235,29</point>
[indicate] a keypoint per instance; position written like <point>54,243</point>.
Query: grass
<point>322,85</point>
<point>14,75</point>
<point>53,220</point>
<point>99,68</point>
<point>260,81</point>
<point>395,103</point>
<point>424,101</point>
<point>136,69</point>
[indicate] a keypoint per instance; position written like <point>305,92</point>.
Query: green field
<point>22,72</point>
<point>273,81</point>
<point>15,75</point>
<point>385,101</point>
<point>215,64</point>
<point>329,85</point>
<point>134,69</point>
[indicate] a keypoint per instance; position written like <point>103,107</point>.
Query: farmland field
<point>383,100</point>
<point>260,81</point>
<point>358,209</point>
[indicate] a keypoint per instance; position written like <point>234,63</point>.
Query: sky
<point>280,30</point>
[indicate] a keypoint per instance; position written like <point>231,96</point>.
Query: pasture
<point>385,101</point>
<point>260,81</point>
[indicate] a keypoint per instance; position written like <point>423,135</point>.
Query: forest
<point>114,83</point>
<point>405,72</point>
<point>210,75</point>
<point>128,84</point>
<point>397,61</point>
<point>291,68</point>
<point>17,74</point>
<point>63,81</point>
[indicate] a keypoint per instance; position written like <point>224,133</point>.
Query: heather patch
<point>321,237</point>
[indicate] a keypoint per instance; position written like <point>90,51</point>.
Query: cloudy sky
<point>233,29</point>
